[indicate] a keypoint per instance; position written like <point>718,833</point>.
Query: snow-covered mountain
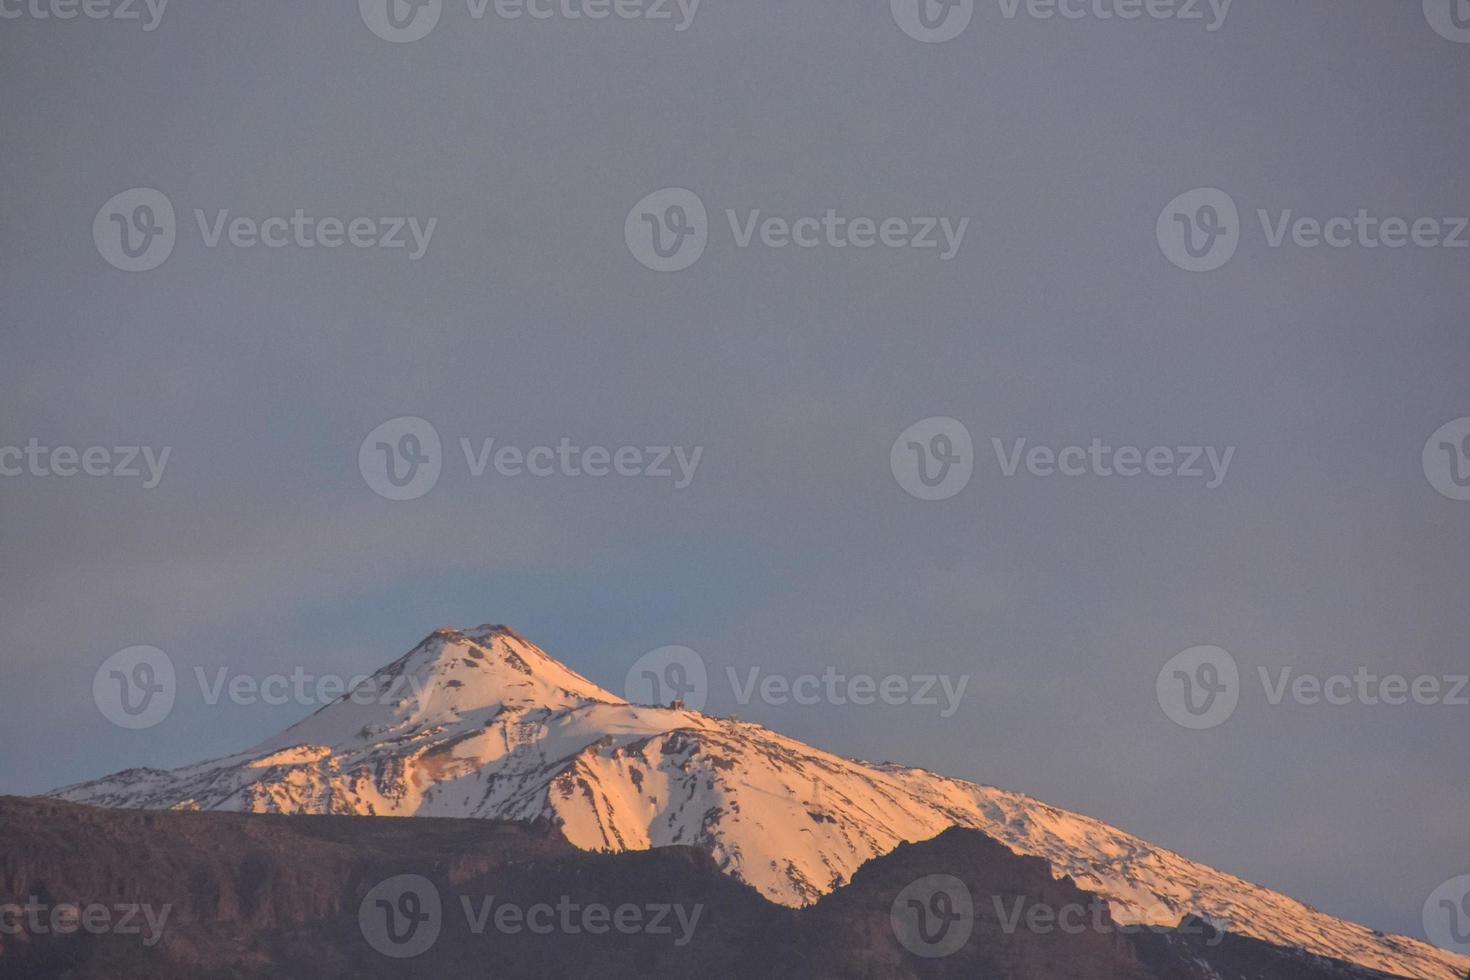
<point>481,723</point>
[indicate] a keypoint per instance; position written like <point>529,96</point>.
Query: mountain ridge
<point>482,723</point>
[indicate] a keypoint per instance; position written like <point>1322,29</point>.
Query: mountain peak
<point>496,629</point>
<point>482,633</point>
<point>454,678</point>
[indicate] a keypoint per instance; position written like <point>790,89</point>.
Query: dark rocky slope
<point>256,896</point>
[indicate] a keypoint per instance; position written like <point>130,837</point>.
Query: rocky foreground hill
<point>269,896</point>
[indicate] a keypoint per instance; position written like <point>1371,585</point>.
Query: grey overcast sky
<point>1061,318</point>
